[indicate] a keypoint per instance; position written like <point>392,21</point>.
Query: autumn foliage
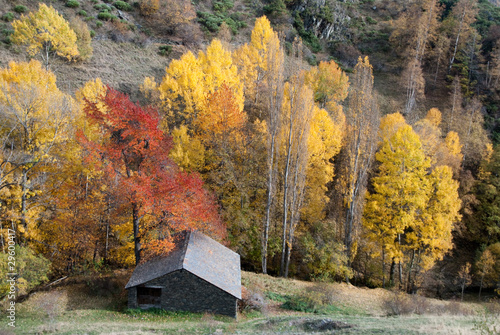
<point>291,165</point>
<point>45,32</point>
<point>134,153</point>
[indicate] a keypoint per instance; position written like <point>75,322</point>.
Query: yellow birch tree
<point>45,32</point>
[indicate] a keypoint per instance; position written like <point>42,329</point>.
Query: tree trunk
<point>137,239</point>
<point>481,285</point>
<point>463,288</point>
<point>270,182</point>
<point>24,199</point>
<point>392,273</point>
<point>410,282</point>
<point>285,194</point>
<point>400,266</point>
<point>452,60</point>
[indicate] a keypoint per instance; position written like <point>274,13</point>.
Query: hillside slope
<point>96,305</point>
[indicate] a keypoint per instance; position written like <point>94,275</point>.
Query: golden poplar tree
<point>190,79</point>
<point>330,85</point>
<point>400,192</point>
<point>45,32</point>
<point>411,212</point>
<point>253,59</point>
<point>35,117</point>
<point>325,140</point>
<point>298,112</point>
<point>356,157</point>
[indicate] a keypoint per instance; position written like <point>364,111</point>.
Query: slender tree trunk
<point>452,60</point>
<point>392,273</point>
<point>1,237</point>
<point>481,284</point>
<point>400,266</point>
<point>270,183</point>
<point>137,239</point>
<point>410,282</point>
<point>453,107</point>
<point>295,209</point>
<point>286,191</point>
<point>107,243</point>
<point>469,129</point>
<point>437,67</point>
<point>383,268</point>
<point>24,199</point>
<point>47,47</point>
<point>94,256</point>
<point>349,221</point>
<point>463,288</point>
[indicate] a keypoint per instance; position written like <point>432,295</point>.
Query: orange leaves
<point>134,153</point>
<point>221,115</point>
<point>188,80</point>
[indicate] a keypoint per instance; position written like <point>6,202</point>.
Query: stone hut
<point>198,275</point>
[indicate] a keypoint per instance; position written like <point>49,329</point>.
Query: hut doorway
<point>148,297</point>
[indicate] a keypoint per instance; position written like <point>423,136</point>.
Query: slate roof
<point>199,255</point>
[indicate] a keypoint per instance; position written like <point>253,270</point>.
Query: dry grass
<point>96,305</point>
<point>120,65</point>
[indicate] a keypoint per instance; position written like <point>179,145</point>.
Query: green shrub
<point>32,270</point>
<point>165,50</point>
<point>222,6</point>
<point>99,24</point>
<point>9,17</point>
<point>106,16</point>
<point>233,25</point>
<point>81,12</point>
<point>122,5</point>
<point>6,33</point>
<point>20,9</point>
<point>276,297</point>
<point>301,303</point>
<point>72,4</point>
<point>103,7</point>
<point>275,8</point>
<point>312,60</point>
<point>92,33</point>
<point>211,21</point>
<point>371,20</point>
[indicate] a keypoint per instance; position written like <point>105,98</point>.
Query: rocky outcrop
<point>327,19</point>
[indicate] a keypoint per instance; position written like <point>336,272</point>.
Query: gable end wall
<point>183,291</point>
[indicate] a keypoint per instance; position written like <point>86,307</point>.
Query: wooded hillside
<point>322,140</point>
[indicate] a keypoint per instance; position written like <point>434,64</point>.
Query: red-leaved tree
<point>133,152</point>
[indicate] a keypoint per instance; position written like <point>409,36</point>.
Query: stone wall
<point>183,291</point>
<point>132,298</point>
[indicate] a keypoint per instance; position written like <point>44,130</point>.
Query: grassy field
<point>97,305</point>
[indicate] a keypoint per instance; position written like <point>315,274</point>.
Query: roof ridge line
<point>185,247</point>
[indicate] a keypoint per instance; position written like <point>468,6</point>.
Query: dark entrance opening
<point>148,297</point>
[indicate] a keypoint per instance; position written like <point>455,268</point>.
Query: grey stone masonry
<point>132,298</point>
<point>183,291</point>
<point>198,275</point>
